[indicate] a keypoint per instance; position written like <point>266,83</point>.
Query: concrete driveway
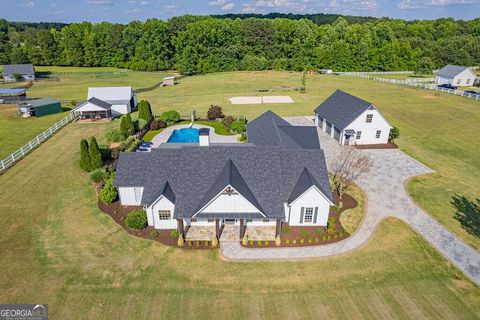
<point>384,189</point>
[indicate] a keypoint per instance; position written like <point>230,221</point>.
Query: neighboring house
<point>40,107</point>
<point>351,120</point>
<point>26,71</point>
<point>169,81</point>
<point>107,102</point>
<point>457,76</point>
<point>270,180</point>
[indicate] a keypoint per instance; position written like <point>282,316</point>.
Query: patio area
<point>257,233</point>
<point>200,233</point>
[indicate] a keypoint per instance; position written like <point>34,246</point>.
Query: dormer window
<point>369,118</point>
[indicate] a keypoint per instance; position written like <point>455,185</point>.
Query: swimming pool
<point>184,135</point>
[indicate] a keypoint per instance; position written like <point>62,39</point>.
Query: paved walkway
<point>163,136</point>
<point>384,188</point>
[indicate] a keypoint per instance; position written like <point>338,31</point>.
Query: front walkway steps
<point>384,189</point>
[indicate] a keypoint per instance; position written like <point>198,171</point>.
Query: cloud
<point>419,4</point>
<point>223,4</point>
<point>100,2</point>
<point>249,9</point>
<point>29,4</point>
<point>354,5</point>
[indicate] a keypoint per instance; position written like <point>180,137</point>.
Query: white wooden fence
<point>35,142</point>
<point>421,83</point>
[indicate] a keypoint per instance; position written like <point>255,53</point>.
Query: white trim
<point>218,194</point>
<point>313,186</point>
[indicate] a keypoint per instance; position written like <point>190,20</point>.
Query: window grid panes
<point>369,118</point>
<point>308,215</point>
<point>377,135</point>
<point>164,214</point>
<point>359,135</point>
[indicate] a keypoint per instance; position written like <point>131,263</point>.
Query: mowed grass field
<point>58,248</point>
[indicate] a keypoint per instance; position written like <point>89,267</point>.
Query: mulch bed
<point>292,236</point>
<point>118,213</point>
<point>388,145</point>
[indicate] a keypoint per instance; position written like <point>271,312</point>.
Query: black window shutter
<point>315,215</point>
<point>301,214</point>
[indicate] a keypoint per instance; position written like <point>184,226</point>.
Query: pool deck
<point>163,136</point>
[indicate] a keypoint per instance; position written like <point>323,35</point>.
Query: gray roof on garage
<point>450,71</point>
<point>342,108</point>
<point>22,69</point>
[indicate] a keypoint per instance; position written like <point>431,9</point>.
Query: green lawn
<point>58,248</point>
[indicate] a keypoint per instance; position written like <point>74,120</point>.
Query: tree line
<point>202,44</point>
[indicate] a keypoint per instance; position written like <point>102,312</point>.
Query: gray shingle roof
<point>305,182</point>
<point>342,108</point>
<point>271,130</point>
<point>22,69</point>
<point>450,71</point>
<point>270,173</point>
<point>100,103</point>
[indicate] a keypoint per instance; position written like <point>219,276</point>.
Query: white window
<point>308,215</point>
<point>359,135</point>
<point>378,134</point>
<point>211,220</point>
<point>164,214</point>
<point>266,220</point>
<point>138,194</point>
<point>369,118</point>
<point>249,220</point>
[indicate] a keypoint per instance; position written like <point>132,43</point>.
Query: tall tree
<point>95,155</point>
<point>85,162</point>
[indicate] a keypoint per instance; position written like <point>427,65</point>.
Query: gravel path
<point>384,188</point>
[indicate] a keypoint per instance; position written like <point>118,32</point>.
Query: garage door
<point>336,134</point>
<point>320,122</point>
<point>328,127</point>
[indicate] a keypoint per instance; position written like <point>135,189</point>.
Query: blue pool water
<point>184,135</point>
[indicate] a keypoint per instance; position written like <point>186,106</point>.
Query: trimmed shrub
<point>85,162</point>
<point>97,176</point>
<point>214,241</point>
<point>238,126</point>
<point>95,155</point>
<point>114,135</point>
<point>228,121</point>
<point>304,234</point>
<point>136,220</point>
<point>302,241</point>
<point>126,125</point>
<point>144,110</point>
<point>133,146</point>
<point>154,234</point>
<point>157,124</point>
<point>286,229</point>
<point>170,116</point>
<point>245,239</point>
<point>317,240</point>
<point>215,112</point>
<point>181,241</point>
<point>108,194</point>
<point>105,152</point>
<point>174,234</point>
<point>278,241</point>
<point>319,231</point>
<point>287,241</point>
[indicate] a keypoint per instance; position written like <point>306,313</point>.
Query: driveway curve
<point>384,189</point>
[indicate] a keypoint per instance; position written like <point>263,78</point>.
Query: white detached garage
<point>351,120</point>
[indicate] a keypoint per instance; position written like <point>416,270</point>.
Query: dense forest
<point>193,44</point>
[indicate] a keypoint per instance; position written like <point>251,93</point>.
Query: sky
<point>124,11</point>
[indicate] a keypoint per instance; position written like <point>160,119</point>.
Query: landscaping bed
<point>301,236</point>
<point>118,213</point>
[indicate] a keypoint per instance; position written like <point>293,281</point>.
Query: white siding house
<point>310,209</point>
<point>351,120</point>
<point>25,71</point>
<point>457,76</point>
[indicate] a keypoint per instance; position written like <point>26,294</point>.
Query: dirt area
<point>8,110</point>
<point>388,145</point>
<point>311,235</point>
<point>118,213</point>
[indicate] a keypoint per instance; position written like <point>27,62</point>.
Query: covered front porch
<point>230,230</point>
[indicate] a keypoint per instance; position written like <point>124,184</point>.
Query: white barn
<point>351,120</point>
<point>107,102</point>
<point>457,76</point>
